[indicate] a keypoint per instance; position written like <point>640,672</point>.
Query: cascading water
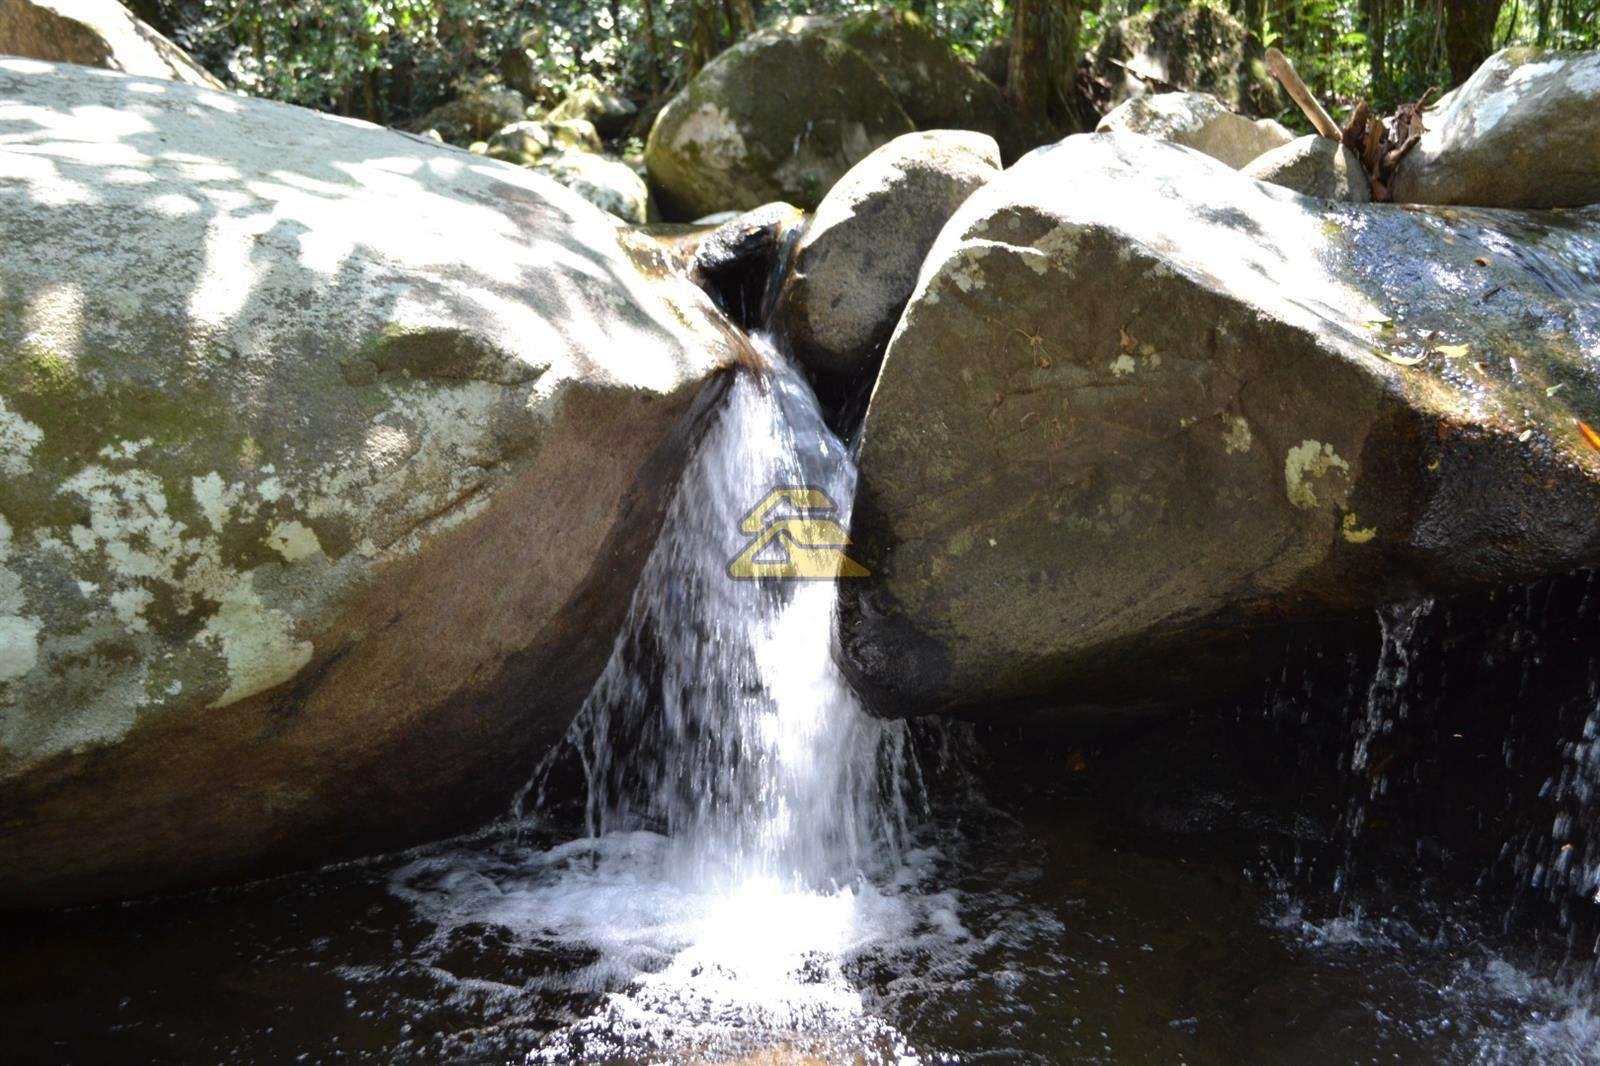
<point>746,818</point>
<point>721,720</point>
<point>1384,706</point>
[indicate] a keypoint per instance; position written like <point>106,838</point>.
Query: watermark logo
<point>796,535</point>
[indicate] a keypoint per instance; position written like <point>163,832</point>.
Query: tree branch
<point>1283,70</point>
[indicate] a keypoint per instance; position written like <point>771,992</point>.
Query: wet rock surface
<point>1140,405</point>
<point>740,262</point>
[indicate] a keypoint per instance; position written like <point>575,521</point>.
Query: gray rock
<point>1524,131</point>
<point>1198,121</point>
<point>528,141</point>
<point>1188,47</point>
<point>330,457</point>
<point>1315,166</point>
<point>577,134</point>
<point>607,182</point>
<point>523,143</point>
<point>479,109</point>
<point>937,88</point>
<point>1141,408</point>
<point>857,262</point>
<point>731,139</point>
<point>95,33</point>
<point>783,114</point>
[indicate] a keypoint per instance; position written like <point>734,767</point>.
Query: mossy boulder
<point>480,109</point>
<point>592,102</point>
<point>938,89</point>
<point>783,114</point>
<point>523,143</point>
<point>95,33</point>
<point>526,142</point>
<point>1523,131</point>
<point>1195,48</point>
<point>1143,410</point>
<point>328,460</point>
<point>778,116</point>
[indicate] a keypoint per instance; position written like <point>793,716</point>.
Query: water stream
<point>746,821</point>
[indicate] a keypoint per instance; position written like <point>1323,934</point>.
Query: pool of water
<point>1044,911</point>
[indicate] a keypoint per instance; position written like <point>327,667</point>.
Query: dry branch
<point>1284,71</point>
<point>1380,147</point>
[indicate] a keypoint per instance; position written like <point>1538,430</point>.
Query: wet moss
<point>400,352</point>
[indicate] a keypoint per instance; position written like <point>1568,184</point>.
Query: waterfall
<point>721,720</point>
<point>746,819</point>
<point>1386,703</point>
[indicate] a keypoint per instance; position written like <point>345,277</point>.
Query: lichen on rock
<point>265,420</point>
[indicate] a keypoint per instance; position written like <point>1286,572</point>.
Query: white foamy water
<point>746,817</point>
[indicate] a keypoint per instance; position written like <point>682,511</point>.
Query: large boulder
<point>1198,121</point>
<point>783,114</point>
<point>779,116</point>
<point>938,89</point>
<point>95,33</point>
<point>1314,165</point>
<point>1141,406</point>
<point>1188,47</point>
<point>1524,131</point>
<point>330,457</point>
<point>856,264</point>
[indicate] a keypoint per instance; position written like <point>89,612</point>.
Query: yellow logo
<point>797,523</point>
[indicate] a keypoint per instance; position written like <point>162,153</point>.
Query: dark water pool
<point>1052,911</point>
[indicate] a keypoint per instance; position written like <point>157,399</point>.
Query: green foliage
<point>391,60</point>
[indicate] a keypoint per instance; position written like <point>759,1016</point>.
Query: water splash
<point>1387,702</point>
<point>746,819</point>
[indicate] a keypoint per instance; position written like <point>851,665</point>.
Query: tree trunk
<point>652,43</point>
<point>1468,35</point>
<point>1375,18</point>
<point>1254,11</point>
<point>1028,67</point>
<point>741,17</point>
<point>1065,25</point>
<point>702,34</point>
<point>1041,68</point>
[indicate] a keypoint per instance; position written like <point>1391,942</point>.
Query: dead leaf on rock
<point>1590,437</point>
<point>1404,360</point>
